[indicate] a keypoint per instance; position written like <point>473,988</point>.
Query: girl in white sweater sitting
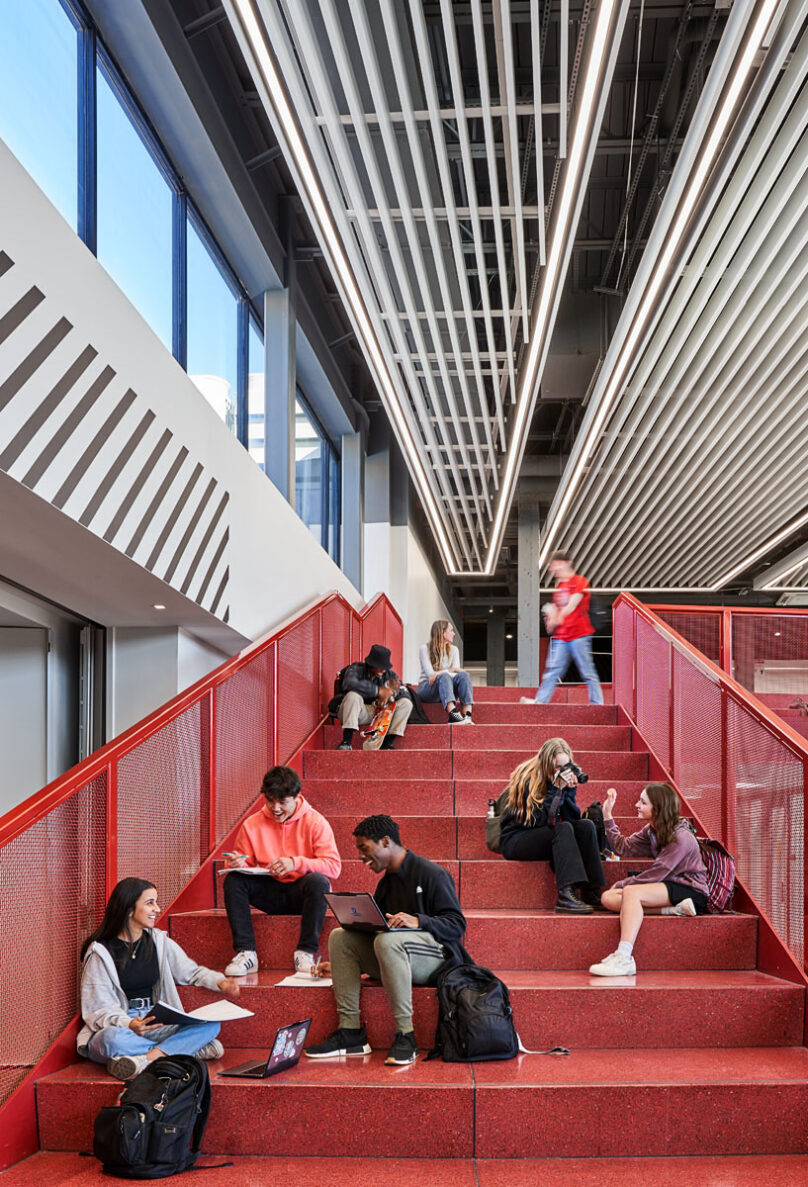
<point>442,678</point>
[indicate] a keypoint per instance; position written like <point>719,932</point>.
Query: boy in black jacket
<point>419,901</point>
<point>362,686</point>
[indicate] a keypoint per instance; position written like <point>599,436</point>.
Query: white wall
<point>395,563</point>
<point>424,605</point>
<point>269,562</point>
<point>147,667</point>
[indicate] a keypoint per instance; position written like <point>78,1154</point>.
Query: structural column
<point>528,597</point>
<point>281,374</point>
<point>353,526</point>
<point>495,649</point>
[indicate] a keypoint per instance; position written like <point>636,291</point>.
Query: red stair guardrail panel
<point>154,802</point>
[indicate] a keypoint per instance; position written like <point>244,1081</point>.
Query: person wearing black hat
<point>365,687</point>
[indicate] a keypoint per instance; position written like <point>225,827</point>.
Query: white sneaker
<point>527,701</point>
<point>211,1050</point>
<point>242,963</point>
<point>126,1067</point>
<point>614,965</point>
<point>685,907</point>
<point>304,961</point>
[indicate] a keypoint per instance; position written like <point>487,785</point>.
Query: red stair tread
<point>761,1170</point>
<point>653,1009</point>
<point>562,715</point>
<point>72,1170</point>
<point>750,1170</point>
<point>654,1066</point>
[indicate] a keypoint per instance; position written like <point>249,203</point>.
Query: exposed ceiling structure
<point>630,359</point>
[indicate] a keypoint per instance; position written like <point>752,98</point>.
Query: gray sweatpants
<point>353,712</point>
<point>400,959</point>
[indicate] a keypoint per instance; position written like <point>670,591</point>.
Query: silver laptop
<point>357,912</point>
<point>284,1052</point>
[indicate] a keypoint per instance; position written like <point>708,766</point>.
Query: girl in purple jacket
<point>675,884</point>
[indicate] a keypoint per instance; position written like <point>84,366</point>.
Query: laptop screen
<point>288,1045</point>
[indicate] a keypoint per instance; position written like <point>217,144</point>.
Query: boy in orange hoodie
<point>297,847</point>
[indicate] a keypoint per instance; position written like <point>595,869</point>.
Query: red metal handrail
<point>742,767</point>
<point>159,799</point>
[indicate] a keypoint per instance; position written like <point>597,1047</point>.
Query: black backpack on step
<point>156,1128</point>
<point>475,1019</point>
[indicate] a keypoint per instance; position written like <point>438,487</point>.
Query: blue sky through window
<point>38,96</point>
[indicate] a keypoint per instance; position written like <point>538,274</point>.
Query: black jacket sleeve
<point>438,909</point>
<point>354,679</point>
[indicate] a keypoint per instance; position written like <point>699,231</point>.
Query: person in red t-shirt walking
<point>567,620</point>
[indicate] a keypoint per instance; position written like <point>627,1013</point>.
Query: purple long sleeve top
<point>679,861</point>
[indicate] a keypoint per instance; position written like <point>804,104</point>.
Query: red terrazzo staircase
<point>699,1056</point>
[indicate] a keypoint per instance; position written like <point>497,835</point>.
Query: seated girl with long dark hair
<point>128,966</point>
<point>542,822</point>
<point>676,883</point>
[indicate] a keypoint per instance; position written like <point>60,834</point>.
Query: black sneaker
<point>456,718</point>
<point>345,746</point>
<point>403,1050</point>
<point>340,1042</point>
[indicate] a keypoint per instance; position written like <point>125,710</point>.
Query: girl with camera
<point>676,883</point>
<point>542,822</point>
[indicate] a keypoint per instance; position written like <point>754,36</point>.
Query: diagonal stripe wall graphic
<point>76,434</point>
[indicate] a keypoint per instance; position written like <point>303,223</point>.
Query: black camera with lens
<point>571,770</point>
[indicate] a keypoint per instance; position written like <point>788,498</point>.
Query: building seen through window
<point>212,330</point>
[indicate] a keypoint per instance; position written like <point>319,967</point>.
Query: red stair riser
<point>532,737</point>
<point>377,764</point>
<point>593,1015</point>
<point>510,713</point>
<point>472,795</point>
<point>624,1120</point>
<point>434,837</point>
<point>498,737</point>
<point>471,835</point>
<point>493,764</point>
<point>521,884</point>
<point>511,942</point>
<point>565,694</point>
<point>246,1119</point>
<point>362,797</point>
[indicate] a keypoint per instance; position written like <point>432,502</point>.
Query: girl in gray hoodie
<point>674,884</point>
<point>127,967</point>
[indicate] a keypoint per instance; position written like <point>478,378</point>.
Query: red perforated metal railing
<point>764,650</point>
<point>155,802</point>
<point>741,767</point>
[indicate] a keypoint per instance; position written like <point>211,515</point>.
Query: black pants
<point>571,847</point>
<point>302,897</point>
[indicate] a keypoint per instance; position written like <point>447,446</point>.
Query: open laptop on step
<point>357,912</point>
<point>284,1052</point>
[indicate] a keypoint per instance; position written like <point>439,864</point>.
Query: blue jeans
<point>562,651</point>
<point>447,688</point>
<point>113,1041</point>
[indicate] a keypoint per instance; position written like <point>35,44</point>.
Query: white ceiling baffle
<point>411,132</point>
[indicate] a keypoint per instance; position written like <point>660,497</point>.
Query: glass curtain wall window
<point>317,481</point>
<point>134,218</point>
<point>39,97</point>
<point>212,351</point>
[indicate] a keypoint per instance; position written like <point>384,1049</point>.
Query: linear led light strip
<point>698,178</point>
<point>553,275</point>
<point>297,151</point>
<point>772,542</point>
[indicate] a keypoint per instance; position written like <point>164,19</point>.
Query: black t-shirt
<point>138,970</point>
